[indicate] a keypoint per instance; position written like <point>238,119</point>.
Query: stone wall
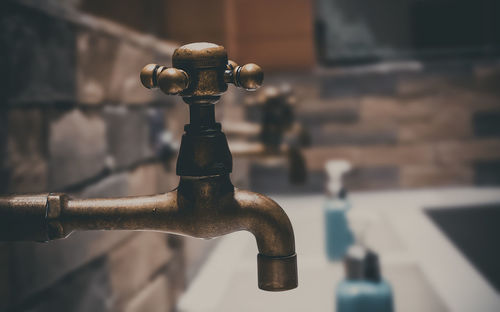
<point>75,118</point>
<point>402,125</point>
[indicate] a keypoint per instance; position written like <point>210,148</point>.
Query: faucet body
<point>204,205</point>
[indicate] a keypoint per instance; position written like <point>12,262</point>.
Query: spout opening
<point>277,273</point>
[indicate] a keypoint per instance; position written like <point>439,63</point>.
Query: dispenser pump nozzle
<point>335,170</point>
<point>362,263</point>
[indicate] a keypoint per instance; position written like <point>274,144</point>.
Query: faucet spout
<point>201,207</point>
<point>277,260</point>
<point>220,209</point>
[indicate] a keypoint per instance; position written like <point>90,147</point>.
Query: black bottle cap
<point>354,262</point>
<point>372,266</point>
<point>362,264</point>
<point>342,193</point>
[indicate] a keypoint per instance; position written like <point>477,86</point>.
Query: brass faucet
<point>279,134</point>
<point>204,205</point>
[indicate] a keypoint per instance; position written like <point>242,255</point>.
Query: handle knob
<point>249,76</point>
<point>148,75</point>
<point>201,71</point>
<point>173,80</point>
<point>169,80</point>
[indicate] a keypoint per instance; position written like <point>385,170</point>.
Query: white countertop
<point>426,270</point>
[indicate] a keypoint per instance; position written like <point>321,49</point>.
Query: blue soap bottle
<point>338,235</point>
<point>363,290</point>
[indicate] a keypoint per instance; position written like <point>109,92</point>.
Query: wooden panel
<point>274,34</point>
<point>192,20</point>
<point>277,53</point>
<point>271,19</point>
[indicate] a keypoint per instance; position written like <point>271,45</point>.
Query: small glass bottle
<point>363,290</point>
<point>338,236</point>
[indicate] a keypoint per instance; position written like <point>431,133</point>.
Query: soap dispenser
<point>363,290</point>
<point>338,235</point>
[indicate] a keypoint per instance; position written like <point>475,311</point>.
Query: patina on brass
<point>205,204</point>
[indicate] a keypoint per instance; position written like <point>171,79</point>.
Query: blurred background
<point>407,91</point>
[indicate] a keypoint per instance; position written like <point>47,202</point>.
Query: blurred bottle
<point>338,235</point>
<point>363,290</point>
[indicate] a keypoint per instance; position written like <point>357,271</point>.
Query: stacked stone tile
<point>428,124</point>
<point>75,118</point>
